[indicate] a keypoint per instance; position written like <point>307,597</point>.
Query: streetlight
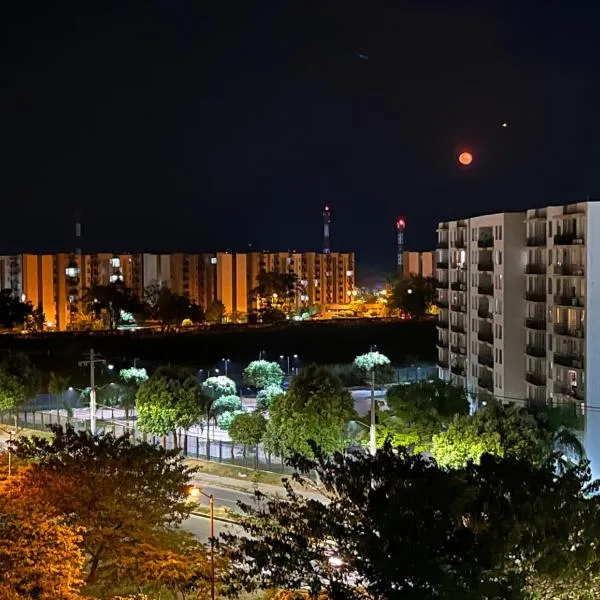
<point>196,492</point>
<point>261,353</point>
<point>226,362</point>
<point>282,357</point>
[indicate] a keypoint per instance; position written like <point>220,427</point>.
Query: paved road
<point>224,497</point>
<point>200,527</point>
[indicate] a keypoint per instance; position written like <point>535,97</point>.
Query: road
<point>200,527</point>
<point>226,498</point>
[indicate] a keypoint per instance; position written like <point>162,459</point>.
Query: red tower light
<point>401,223</point>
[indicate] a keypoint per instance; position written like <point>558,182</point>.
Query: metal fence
<point>189,444</point>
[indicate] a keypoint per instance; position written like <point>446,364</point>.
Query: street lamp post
<point>226,362</point>
<point>282,357</point>
<point>196,491</point>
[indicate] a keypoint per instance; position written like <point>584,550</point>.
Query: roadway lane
<point>200,527</point>
<point>226,498</point>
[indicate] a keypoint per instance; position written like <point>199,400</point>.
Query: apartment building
<point>517,295</point>
<point>421,264</point>
<point>59,281</point>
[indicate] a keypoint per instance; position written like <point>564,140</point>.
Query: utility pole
<point>91,361</point>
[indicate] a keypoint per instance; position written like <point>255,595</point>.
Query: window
<point>499,232</point>
<point>213,260</point>
<point>550,229</point>
<point>498,257</point>
<point>550,342</point>
<point>115,262</point>
<point>549,285</point>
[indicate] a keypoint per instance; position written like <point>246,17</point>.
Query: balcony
<point>485,336</point>
<point>442,363</point>
<point>441,343</point>
<point>536,240</point>
<point>486,361</point>
<point>535,296</point>
<point>571,391</point>
<point>571,361</point>
<point>458,286</point>
<point>538,324</point>
<point>535,269</point>
<point>536,351</point>
<point>442,323</point>
<point>576,301</point>
<point>569,270</point>
<point>485,290</point>
<point>486,383</point>
<point>442,245</point>
<point>485,242</point>
<point>457,328</point>
<point>462,350</point>
<point>486,265</point>
<point>443,264</point>
<point>441,303</point>
<point>568,239</point>
<point>459,243</point>
<point>484,314</point>
<point>535,379</point>
<point>576,332</point>
<point>441,285</point>
<point>459,307</point>
<point>456,370</point>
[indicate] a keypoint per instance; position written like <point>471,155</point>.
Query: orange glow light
<point>465,158</point>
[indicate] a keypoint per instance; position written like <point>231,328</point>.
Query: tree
<point>130,381</point>
<point>248,428</point>
<point>262,373</point>
<point>126,497</point>
<point>40,555</point>
<point>213,389</point>
<point>413,295</point>
<point>13,312</point>
<point>394,525</point>
<point>170,400</point>
<point>265,397</point>
<point>169,308</point>
<point>225,404</point>
<point>316,407</point>
<point>58,386</point>
<point>36,320</point>
<point>19,381</point>
<point>278,288</point>
<point>502,430</point>
<point>225,419</point>
<point>113,300</point>
<point>215,312</point>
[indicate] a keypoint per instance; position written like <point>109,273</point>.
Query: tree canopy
<point>395,525</point>
<point>248,428</point>
<point>169,308</point>
<point>13,312</point>
<point>413,294</point>
<point>19,380</point>
<point>316,407</point>
<point>264,398</point>
<point>262,373</point>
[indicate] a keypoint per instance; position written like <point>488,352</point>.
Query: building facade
<point>421,264</point>
<point>517,294</point>
<point>59,282</point>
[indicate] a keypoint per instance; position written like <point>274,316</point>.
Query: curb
<point>222,519</point>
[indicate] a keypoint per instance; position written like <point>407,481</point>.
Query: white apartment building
<point>517,294</point>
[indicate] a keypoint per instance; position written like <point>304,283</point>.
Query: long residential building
<point>517,298</point>
<point>59,282</point>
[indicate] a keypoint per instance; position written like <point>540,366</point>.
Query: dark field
<point>321,342</point>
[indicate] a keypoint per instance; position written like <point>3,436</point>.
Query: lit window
<point>71,271</point>
<point>349,273</point>
<point>115,262</point>
<point>213,260</point>
<point>115,278</point>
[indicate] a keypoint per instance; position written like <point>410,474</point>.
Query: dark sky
<point>208,125</point>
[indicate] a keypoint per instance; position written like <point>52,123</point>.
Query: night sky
<point>192,126</point>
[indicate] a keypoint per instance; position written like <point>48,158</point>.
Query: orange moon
<point>465,158</point>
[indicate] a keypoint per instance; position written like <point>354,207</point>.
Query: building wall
<point>419,263</point>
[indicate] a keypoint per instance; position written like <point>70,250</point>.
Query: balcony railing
<point>535,379</point>
<point>441,285</point>
<point>459,243</point>
<point>442,244</point>
<point>485,290</point>
<point>536,351</point>
<point>443,264</point>
<point>442,323</point>
<point>485,242</point>
<point>484,314</point>
<point>485,336</point>
<point>441,343</point>
<point>458,286</point>
<point>486,361</point>
<point>535,296</point>
<point>576,332</point>
<point>486,265</point>
<point>536,240</point>
<point>456,370</point>
<point>568,239</point>
<point>572,361</point>
<point>569,270</point>
<point>571,391</point>
<point>457,327</point>
<point>576,301</point>
<point>462,350</point>
<point>442,303</point>
<point>539,324</point>
<point>486,383</point>
<point>442,363</point>
<point>535,269</point>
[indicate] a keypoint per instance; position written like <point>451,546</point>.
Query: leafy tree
<point>262,373</point>
<point>169,308</point>
<point>215,312</point>
<point>126,497</point>
<point>214,388</point>
<point>264,398</point>
<point>19,365</point>
<point>168,401</point>
<point>40,555</point>
<point>13,312</point>
<point>113,300</point>
<point>130,381</point>
<point>225,419</point>
<point>12,392</point>
<point>413,294</point>
<point>272,284</point>
<point>316,407</point>
<point>225,404</point>
<point>248,428</point>
<point>272,314</point>
<point>394,525</point>
<point>36,320</point>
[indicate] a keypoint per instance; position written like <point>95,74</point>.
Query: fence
<point>189,444</point>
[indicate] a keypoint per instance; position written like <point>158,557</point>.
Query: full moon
<point>465,158</point>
